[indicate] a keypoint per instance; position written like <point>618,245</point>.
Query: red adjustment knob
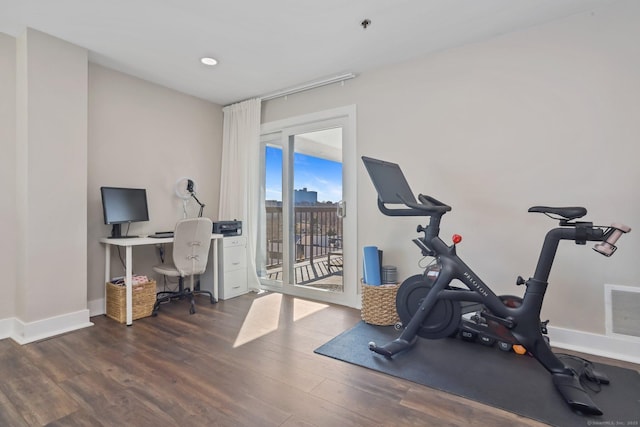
<point>456,239</point>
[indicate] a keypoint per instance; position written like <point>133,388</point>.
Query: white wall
<point>51,171</point>
<point>548,115</point>
<point>146,136</point>
<point>8,227</point>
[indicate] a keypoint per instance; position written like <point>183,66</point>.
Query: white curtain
<point>239,178</point>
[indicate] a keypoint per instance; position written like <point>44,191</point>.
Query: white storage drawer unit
<point>232,267</point>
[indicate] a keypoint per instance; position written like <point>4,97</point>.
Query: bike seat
<point>567,213</point>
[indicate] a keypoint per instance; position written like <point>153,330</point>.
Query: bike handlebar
<point>608,247</point>
<point>428,206</point>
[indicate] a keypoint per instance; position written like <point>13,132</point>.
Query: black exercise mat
<point>517,384</point>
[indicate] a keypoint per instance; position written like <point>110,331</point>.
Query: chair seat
<point>166,270</point>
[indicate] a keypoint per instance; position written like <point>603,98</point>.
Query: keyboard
<point>162,235</point>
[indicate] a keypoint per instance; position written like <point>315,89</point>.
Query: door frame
<point>344,117</point>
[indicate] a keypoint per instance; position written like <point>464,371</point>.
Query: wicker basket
<point>144,297</point>
<point>379,304</point>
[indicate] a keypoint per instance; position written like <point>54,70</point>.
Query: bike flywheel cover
<point>441,321</point>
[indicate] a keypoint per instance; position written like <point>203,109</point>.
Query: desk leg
<point>129,287</point>
<point>214,265</point>
<point>107,272</point>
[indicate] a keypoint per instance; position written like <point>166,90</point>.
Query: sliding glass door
<point>306,240</point>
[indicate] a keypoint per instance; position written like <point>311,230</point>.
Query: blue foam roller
<point>371,265</point>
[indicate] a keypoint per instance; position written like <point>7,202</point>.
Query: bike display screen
<point>389,181</point>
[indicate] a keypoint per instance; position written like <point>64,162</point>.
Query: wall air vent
<point>622,307</point>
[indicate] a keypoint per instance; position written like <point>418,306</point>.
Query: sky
<point>316,174</point>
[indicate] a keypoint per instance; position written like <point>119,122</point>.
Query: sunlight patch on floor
<point>304,308</point>
<point>261,319</point>
<point>264,316</point>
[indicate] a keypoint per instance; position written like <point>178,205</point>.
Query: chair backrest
<point>191,243</point>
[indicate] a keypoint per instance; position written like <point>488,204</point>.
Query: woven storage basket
<point>379,304</point>
<point>144,297</point>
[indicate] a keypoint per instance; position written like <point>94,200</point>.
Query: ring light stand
<point>186,189</point>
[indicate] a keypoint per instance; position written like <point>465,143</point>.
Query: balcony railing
<point>318,231</point>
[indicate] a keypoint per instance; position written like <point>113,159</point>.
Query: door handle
<point>341,210</point>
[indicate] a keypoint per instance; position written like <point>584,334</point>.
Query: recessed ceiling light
<point>208,61</point>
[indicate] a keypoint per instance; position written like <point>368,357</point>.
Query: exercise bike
<point>430,307</point>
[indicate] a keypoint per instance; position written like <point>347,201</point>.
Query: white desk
<point>128,244</point>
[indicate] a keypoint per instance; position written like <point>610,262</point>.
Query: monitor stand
<point>116,233</point>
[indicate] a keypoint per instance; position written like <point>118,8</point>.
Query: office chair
<point>191,243</point>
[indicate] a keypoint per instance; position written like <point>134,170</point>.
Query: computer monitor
<point>123,206</point>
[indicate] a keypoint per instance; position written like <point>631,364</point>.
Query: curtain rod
<point>307,86</point>
<point>303,87</point>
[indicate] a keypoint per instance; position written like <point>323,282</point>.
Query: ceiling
<point>266,46</point>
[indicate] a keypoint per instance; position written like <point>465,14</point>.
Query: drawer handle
<point>236,263</point>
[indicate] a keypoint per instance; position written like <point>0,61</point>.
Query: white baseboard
<point>614,347</point>
<point>24,333</point>
<point>6,328</point>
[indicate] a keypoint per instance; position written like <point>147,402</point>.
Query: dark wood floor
<point>247,361</point>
